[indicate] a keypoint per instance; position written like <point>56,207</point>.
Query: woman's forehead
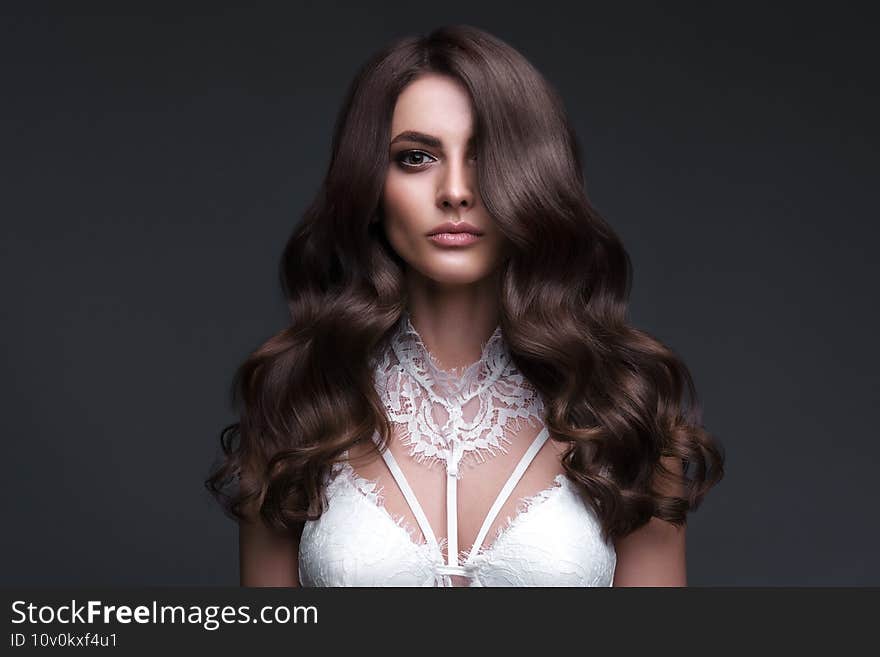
<point>434,105</point>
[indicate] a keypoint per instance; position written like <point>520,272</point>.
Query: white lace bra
<point>480,423</point>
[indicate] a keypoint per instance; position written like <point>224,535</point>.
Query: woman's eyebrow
<point>421,138</point>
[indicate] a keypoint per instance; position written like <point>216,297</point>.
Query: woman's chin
<point>456,275</point>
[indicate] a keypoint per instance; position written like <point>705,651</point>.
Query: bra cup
<point>556,542</point>
<point>356,543</point>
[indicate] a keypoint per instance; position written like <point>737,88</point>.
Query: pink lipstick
<point>454,239</point>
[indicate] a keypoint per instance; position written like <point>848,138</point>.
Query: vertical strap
<point>452,507</point>
<point>451,519</point>
<point>512,481</point>
<point>399,477</point>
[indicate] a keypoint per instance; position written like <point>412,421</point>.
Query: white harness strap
<point>452,566</point>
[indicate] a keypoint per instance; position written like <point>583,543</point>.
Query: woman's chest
<point>553,540</point>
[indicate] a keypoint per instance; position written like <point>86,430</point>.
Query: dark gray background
<point>154,163</point>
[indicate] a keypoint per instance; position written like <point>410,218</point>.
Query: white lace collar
<point>447,415</point>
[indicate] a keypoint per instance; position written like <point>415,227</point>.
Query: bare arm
<point>265,558</point>
<point>653,555</point>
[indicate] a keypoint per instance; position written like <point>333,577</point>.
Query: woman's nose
<point>456,185</point>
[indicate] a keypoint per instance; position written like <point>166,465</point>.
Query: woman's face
<point>432,179</point>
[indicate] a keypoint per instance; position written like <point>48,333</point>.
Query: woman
<point>457,302</point>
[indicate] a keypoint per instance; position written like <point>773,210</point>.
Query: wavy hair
<point>624,402</point>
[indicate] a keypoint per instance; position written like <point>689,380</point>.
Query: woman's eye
<point>413,159</point>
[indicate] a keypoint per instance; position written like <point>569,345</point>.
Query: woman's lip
<point>454,239</point>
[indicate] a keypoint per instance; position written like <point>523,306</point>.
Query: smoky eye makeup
<point>413,159</point>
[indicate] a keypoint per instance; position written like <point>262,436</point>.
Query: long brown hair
<point>623,401</point>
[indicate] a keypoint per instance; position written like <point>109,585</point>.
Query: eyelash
<point>402,155</point>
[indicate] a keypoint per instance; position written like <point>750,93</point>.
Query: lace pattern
<point>343,473</point>
<point>466,414</point>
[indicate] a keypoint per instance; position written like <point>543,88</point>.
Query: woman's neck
<point>454,322</point>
